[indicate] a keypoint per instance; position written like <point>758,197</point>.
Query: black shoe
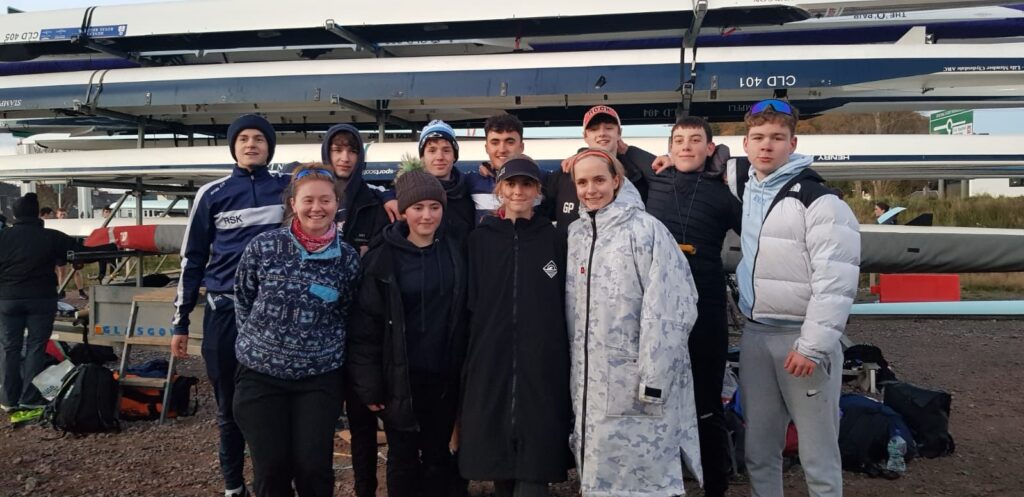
<point>82,294</point>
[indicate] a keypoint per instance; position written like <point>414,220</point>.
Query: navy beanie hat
<point>252,121</point>
<point>26,207</point>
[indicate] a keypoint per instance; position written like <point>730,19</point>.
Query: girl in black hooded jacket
<point>515,405</point>
<point>407,341</point>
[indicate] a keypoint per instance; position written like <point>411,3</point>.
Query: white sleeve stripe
<point>252,216</point>
<point>180,294</point>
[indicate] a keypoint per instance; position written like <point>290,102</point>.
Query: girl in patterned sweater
<point>294,290</point>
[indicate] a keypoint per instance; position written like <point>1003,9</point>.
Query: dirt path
<point>979,362</point>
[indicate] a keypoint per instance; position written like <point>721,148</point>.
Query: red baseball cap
<point>600,109</point>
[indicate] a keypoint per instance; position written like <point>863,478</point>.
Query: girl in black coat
<point>408,340</point>
<point>515,406</point>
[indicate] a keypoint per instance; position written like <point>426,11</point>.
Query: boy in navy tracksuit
<point>226,215</point>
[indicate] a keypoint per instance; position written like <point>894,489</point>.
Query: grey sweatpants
<point>771,397</point>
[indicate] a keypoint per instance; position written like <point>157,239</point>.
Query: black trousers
<point>419,462</point>
<point>289,425</point>
<point>362,424</point>
<point>219,334</point>
<point>709,343</point>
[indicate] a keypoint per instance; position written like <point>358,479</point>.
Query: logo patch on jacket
<point>550,269</point>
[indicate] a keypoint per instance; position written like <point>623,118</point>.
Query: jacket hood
<point>356,180</point>
<point>797,163</point>
<point>395,235</point>
<point>626,204</point>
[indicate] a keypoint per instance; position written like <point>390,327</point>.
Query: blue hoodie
<point>757,200</point>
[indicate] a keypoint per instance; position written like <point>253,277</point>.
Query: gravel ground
<point>978,361</point>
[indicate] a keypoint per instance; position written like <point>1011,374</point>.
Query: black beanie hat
<point>252,121</point>
<point>26,207</point>
<point>416,186</point>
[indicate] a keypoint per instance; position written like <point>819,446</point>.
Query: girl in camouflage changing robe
<point>630,305</point>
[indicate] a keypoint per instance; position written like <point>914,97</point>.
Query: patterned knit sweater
<point>292,306</point>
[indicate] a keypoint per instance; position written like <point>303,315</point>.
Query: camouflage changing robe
<point>630,305</point>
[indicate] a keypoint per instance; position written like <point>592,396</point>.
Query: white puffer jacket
<point>801,263</point>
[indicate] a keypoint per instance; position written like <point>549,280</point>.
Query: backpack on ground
<point>926,412</point>
<point>86,402</point>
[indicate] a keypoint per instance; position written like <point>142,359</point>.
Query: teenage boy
<point>797,279</point>
<point>503,138</point>
<point>361,216</point>
<point>361,213</point>
<point>691,199</point>
<point>602,129</point>
<point>227,214</point>
<point>439,151</point>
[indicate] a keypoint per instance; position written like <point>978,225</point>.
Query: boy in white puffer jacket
<point>797,279</point>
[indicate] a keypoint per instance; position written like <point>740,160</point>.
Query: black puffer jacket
<point>698,209</point>
<point>28,255</point>
<point>516,405</point>
<point>378,363</point>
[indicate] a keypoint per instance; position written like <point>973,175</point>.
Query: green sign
<point>952,122</point>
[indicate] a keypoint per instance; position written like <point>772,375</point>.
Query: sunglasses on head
<point>306,172</point>
<point>774,104</point>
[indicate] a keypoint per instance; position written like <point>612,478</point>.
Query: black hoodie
<point>28,255</point>
<point>381,355</point>
<point>460,212</point>
<point>426,281</point>
<point>361,214</point>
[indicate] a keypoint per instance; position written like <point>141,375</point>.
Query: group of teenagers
<point>506,324</point>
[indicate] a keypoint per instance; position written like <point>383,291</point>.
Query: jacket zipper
<point>515,326</point>
<point>586,352</point>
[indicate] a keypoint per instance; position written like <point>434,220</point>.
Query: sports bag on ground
<point>86,402</point>
<point>926,412</point>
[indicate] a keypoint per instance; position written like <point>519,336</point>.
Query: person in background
<point>602,129</point>
<point>503,139</point>
<point>227,213</point>
<point>105,265</point>
<point>409,337</point>
<point>360,218</point>
<point>880,209</point>
<point>62,213</point>
<point>294,289</point>
<point>630,304</point>
<point>47,213</point>
<point>28,300</point>
<point>515,404</point>
<point>697,207</point>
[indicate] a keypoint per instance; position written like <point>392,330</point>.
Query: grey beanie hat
<point>416,186</point>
